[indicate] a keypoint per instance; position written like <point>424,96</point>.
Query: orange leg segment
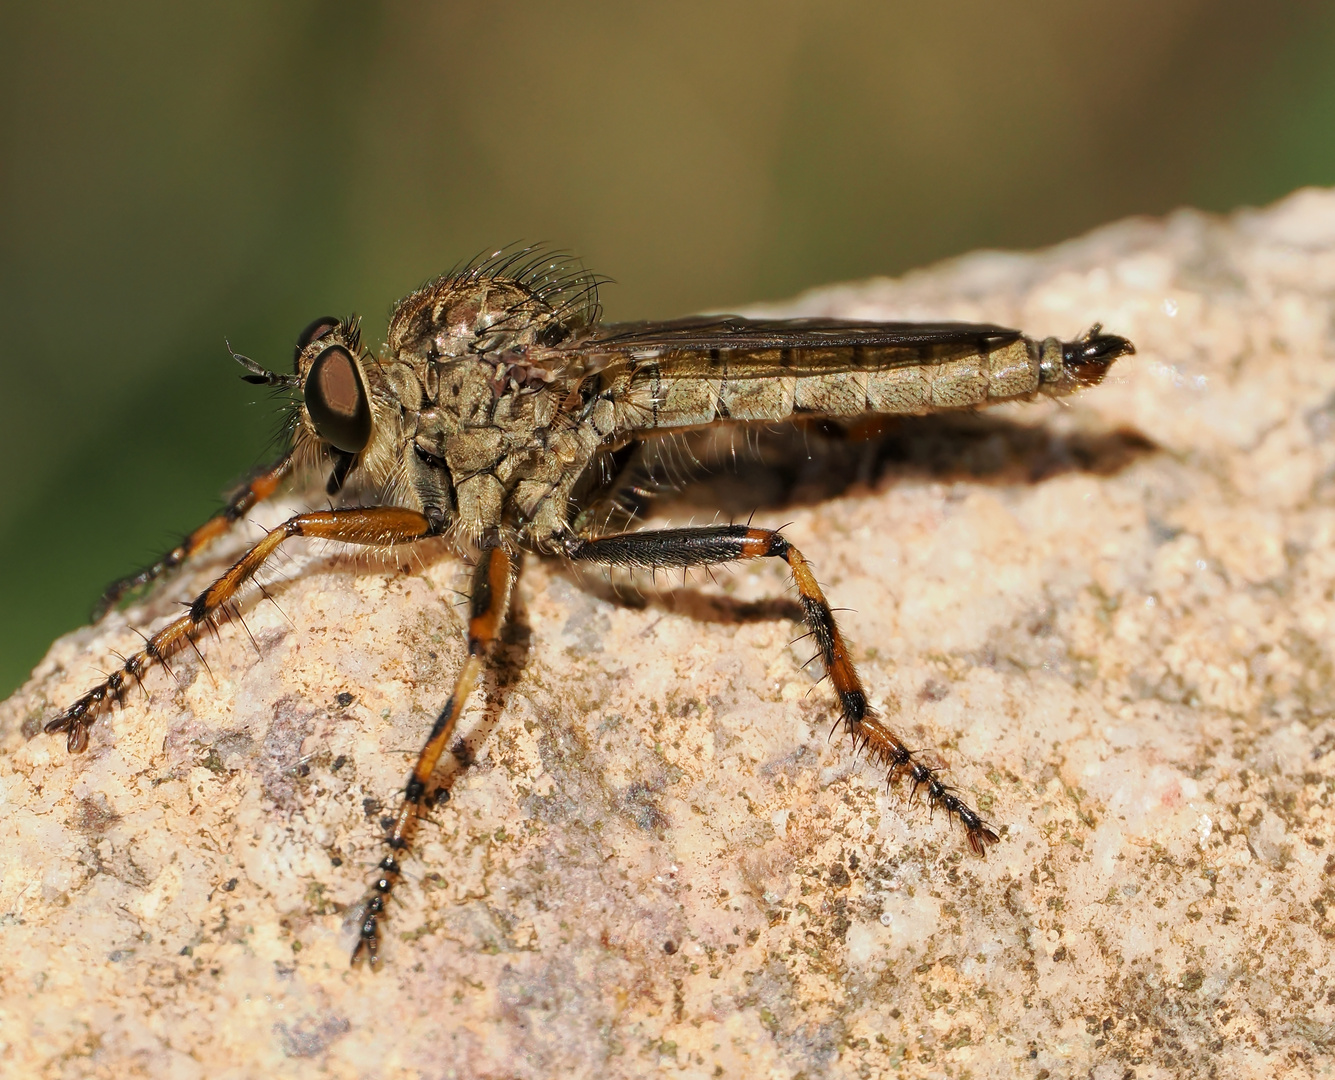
<point>713,544</point>
<point>489,602</point>
<point>380,526</point>
<point>260,487</point>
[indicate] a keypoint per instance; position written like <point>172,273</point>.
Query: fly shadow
<point>821,460</point>
<point>734,474</point>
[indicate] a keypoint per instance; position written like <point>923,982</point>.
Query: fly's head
<point>1067,366</point>
<point>346,417</point>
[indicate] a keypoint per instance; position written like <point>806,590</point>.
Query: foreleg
<point>379,526</point>
<point>260,487</point>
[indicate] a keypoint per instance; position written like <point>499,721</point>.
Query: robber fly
<point>491,416</point>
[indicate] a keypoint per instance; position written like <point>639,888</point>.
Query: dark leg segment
<point>711,544</point>
<point>259,488</point>
<point>379,526</point>
<point>488,605</point>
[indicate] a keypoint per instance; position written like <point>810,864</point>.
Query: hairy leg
<point>380,526</point>
<point>713,544</point>
<point>488,604</point>
<point>260,487</point>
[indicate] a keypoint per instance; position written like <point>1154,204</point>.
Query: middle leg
<point>712,544</point>
<point>489,602</point>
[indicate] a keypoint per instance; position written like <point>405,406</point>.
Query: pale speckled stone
<point>1113,618</point>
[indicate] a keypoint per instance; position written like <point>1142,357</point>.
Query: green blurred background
<point>173,173</point>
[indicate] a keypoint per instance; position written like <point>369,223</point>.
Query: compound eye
<point>321,327</point>
<point>337,402</point>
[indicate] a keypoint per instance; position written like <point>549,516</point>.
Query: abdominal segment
<point>694,389</point>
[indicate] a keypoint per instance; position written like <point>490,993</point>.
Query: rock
<point>1111,617</point>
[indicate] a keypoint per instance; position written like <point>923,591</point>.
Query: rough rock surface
<point>1113,619</point>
